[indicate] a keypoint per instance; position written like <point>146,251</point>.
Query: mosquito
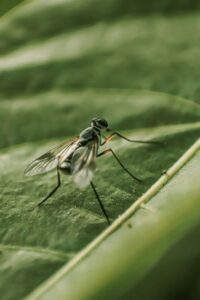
<point>77,158</point>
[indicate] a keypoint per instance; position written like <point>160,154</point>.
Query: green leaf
<point>100,50</point>
<point>121,256</point>
<point>61,64</point>
<point>72,218</point>
<point>5,6</point>
<point>177,266</point>
<point>73,14</point>
<point>62,114</point>
<point>17,263</point>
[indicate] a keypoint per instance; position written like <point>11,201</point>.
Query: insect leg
<point>54,190</point>
<point>107,139</point>
<point>121,164</point>
<point>100,203</point>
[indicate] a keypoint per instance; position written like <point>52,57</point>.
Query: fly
<point>77,158</point>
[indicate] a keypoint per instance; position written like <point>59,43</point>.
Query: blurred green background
<point>61,63</point>
<point>105,44</point>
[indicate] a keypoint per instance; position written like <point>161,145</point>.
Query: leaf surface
<point>96,58</point>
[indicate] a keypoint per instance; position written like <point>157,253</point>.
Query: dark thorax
<point>90,134</point>
<point>87,137</point>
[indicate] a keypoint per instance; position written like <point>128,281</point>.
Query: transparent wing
<point>50,160</point>
<point>83,164</point>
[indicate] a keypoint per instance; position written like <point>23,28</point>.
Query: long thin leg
<point>107,139</point>
<point>53,191</point>
<point>100,203</point>
<point>118,160</point>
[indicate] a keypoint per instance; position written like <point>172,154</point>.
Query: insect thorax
<point>80,163</point>
<point>90,134</point>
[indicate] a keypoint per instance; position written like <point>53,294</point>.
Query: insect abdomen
<point>65,167</point>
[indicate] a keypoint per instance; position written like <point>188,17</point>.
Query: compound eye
<point>99,122</point>
<point>103,123</point>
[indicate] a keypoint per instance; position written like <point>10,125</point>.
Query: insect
<point>77,158</point>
